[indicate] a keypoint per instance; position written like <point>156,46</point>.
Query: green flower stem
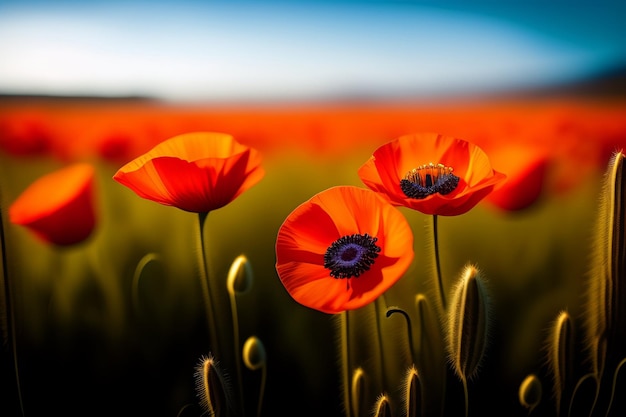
<point>344,335</point>
<point>442,299</point>
<point>205,282</point>
<point>262,389</point>
<point>234,315</point>
<point>380,306</point>
<point>465,395</point>
<point>614,385</point>
<point>438,264</point>
<point>10,315</point>
<point>235,270</point>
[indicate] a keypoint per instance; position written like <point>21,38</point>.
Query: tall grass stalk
<point>468,323</point>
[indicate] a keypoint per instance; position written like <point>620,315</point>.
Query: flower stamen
<point>429,179</point>
<point>352,255</point>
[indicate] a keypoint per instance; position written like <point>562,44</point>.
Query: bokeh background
<point>316,86</point>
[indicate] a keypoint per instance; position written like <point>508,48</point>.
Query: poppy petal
<point>526,169</point>
<point>307,233</point>
<point>197,172</point>
<point>58,207</point>
<point>146,182</point>
<point>389,164</point>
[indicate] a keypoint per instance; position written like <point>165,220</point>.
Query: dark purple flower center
<point>429,179</point>
<point>350,256</point>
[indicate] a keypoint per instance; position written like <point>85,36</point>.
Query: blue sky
<point>272,49</point>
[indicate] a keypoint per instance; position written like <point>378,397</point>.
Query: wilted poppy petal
<point>197,172</point>
<point>443,175</point>
<point>369,237</point>
<point>58,207</point>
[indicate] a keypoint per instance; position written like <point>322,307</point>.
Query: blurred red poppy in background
<point>197,172</point>
<point>59,206</point>
<point>526,170</point>
<point>342,249</point>
<point>25,134</point>
<point>431,173</point>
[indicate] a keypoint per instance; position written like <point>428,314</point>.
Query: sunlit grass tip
<point>238,281</point>
<point>358,391</point>
<point>560,356</point>
<point>467,328</point>
<point>530,392</point>
<point>212,387</point>
<point>240,276</point>
<point>605,304</point>
<point>382,407</point>
<point>412,393</point>
<point>468,323</point>
<point>254,355</point>
<point>255,358</point>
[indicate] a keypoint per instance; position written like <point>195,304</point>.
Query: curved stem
<point>262,389</point>
<point>234,315</point>
<point>10,315</point>
<point>437,263</point>
<point>141,265</point>
<point>615,375</point>
<point>391,311</point>
<point>589,376</point>
<point>345,361</point>
<point>379,338</point>
<point>205,284</point>
<point>184,409</point>
<point>466,396</point>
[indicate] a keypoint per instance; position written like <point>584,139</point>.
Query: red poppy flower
<point>526,170</point>
<point>25,133</point>
<point>197,172</point>
<point>58,207</point>
<point>342,249</point>
<point>431,173</point>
